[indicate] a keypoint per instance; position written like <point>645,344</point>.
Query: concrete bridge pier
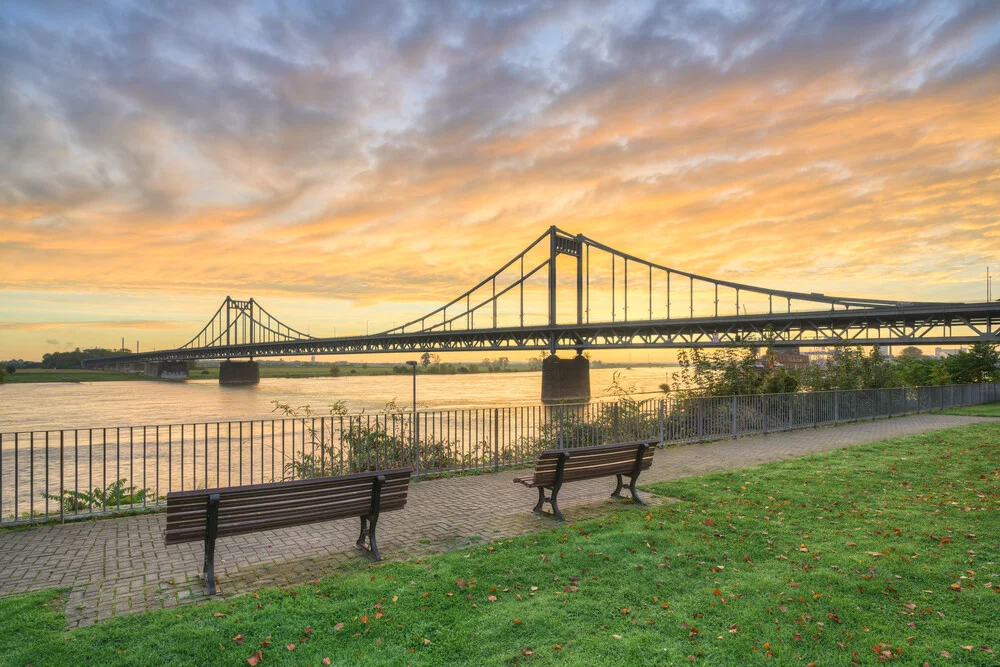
<point>239,372</point>
<point>565,379</point>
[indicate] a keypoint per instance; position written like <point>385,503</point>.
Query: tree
<point>425,359</point>
<point>911,352</point>
<point>3,375</point>
<point>11,369</point>
<point>977,365</point>
<point>335,370</point>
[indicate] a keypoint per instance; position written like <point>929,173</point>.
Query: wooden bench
<point>556,467</point>
<point>208,514</point>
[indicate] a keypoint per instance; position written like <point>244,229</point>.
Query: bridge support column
<point>239,372</point>
<point>565,379</point>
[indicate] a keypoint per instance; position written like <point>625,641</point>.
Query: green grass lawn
<point>985,410</point>
<point>875,553</point>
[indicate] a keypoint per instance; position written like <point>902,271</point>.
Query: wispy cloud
<point>397,152</point>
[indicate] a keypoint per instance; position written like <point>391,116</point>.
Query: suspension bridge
<point>569,293</point>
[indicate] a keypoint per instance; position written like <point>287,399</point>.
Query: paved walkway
<point>117,566</point>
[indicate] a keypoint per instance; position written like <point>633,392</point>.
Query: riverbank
<point>35,375</point>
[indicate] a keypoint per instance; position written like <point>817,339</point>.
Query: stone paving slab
<point>118,566</point>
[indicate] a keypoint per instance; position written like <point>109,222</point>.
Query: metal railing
<point>61,474</point>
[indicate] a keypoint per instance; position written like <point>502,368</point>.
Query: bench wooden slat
<point>207,514</point>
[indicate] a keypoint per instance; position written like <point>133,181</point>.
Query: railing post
<point>496,440</point>
<point>416,444</point>
<point>816,409</point>
<point>62,486</point>
<point>700,417</point>
<point>791,411</point>
<point>662,401</point>
<point>734,409</point>
<point>836,406</point>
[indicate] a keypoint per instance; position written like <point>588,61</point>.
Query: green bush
<point>115,495</point>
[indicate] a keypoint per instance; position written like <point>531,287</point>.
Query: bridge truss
<point>518,308</point>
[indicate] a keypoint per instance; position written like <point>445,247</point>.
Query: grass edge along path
<point>874,553</point>
<point>984,410</point>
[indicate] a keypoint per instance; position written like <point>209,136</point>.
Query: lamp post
<point>416,425</point>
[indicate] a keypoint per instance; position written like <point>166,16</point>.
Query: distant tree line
<point>62,360</point>
<point>747,370</point>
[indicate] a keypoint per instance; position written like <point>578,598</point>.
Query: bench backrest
<point>247,509</point>
<point>590,462</point>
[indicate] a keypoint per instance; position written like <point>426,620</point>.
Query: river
<point>51,406</point>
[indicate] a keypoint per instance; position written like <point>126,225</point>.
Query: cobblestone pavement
<point>117,566</point>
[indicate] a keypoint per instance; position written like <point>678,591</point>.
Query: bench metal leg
<point>635,496</point>
<point>364,533</point>
<point>618,489</point>
<point>541,501</point>
<point>211,533</point>
<point>555,507</point>
<point>369,521</point>
<point>368,524</point>
<point>376,556</point>
<point>551,500</point>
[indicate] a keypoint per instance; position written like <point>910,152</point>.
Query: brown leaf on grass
<point>378,642</point>
<point>255,658</point>
<point>307,630</point>
<point>709,522</point>
<point>364,619</point>
<point>557,647</point>
<point>291,647</point>
<point>327,661</point>
<point>945,654</point>
<point>218,614</point>
<point>239,638</point>
<point>460,583</point>
<point>527,651</point>
<point>427,642</point>
<point>339,626</point>
<point>910,606</point>
<point>491,598</point>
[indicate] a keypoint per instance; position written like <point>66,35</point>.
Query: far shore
<point>35,375</point>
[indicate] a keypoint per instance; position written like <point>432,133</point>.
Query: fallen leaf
<point>557,647</point>
<point>492,598</point>
<point>291,647</point>
<point>527,651</point>
<point>326,661</point>
<point>339,626</point>
<point>238,638</point>
<point>217,614</point>
<point>364,619</point>
<point>307,630</point>
<point>427,641</point>
<point>945,654</point>
<point>617,636</point>
<point>255,658</point>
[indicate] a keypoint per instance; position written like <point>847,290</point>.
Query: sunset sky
<point>353,165</point>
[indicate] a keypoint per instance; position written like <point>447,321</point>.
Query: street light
<point>416,427</point>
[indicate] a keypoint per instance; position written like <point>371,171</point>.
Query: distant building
<point>942,352</point>
<point>785,357</point>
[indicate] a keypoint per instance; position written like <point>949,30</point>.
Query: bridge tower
<point>565,379</point>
